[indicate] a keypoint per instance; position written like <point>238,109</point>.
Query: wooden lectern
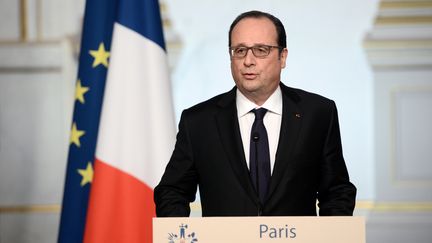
<point>259,229</point>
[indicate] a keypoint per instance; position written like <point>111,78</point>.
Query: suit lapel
<point>290,127</point>
<point>229,132</point>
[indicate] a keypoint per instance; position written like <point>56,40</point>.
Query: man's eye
<point>261,49</point>
<point>240,51</point>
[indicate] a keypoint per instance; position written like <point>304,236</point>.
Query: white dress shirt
<point>272,121</point>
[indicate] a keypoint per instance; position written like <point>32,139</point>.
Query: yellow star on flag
<point>80,91</point>
<point>75,135</point>
<point>87,174</point>
<point>100,56</point>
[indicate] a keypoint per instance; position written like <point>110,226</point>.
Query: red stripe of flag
<point>133,203</point>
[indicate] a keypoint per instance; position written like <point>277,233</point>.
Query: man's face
<point>257,78</point>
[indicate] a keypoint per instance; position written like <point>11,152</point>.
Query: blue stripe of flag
<point>99,19</point>
<point>144,17</point>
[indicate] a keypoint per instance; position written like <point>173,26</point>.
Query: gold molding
<point>39,33</point>
<point>373,206</point>
<point>196,206</point>
<point>405,4</point>
<point>42,208</point>
<point>364,205</point>
<point>29,70</point>
<point>403,20</point>
<point>402,67</point>
<point>166,23</point>
<point>403,207</point>
<point>31,42</point>
<point>394,206</point>
<point>23,20</point>
<point>397,44</point>
<point>162,6</point>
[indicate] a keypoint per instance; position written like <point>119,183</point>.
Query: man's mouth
<point>249,75</point>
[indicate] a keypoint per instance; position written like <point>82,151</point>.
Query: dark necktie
<point>259,166</point>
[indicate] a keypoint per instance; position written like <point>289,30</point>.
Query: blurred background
<point>374,58</point>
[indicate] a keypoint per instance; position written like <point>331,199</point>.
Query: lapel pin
<point>297,115</point>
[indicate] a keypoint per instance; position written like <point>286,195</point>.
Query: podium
<point>259,229</point>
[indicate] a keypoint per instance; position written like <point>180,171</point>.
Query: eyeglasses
<point>259,51</point>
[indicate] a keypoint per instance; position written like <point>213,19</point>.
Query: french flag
<point>125,133</point>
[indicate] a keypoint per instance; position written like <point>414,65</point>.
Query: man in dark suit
<point>262,148</point>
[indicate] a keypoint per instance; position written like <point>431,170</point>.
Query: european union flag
<point>99,19</point>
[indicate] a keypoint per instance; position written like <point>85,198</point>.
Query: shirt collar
<point>272,104</point>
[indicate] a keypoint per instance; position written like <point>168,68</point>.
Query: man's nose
<point>249,59</point>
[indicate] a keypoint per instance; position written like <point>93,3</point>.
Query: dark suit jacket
<point>309,165</point>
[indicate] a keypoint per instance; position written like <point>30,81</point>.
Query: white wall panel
<point>9,20</point>
<point>413,142</point>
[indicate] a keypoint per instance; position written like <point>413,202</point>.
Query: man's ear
<point>283,57</point>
